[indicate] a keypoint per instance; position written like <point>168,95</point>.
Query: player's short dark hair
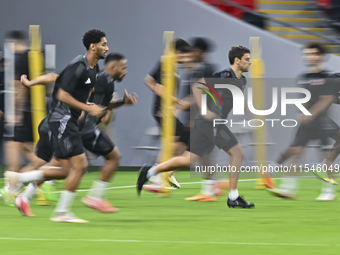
<point>237,52</point>
<point>316,45</point>
<point>16,35</point>
<point>113,57</point>
<point>201,43</point>
<point>92,36</point>
<point>182,46</point>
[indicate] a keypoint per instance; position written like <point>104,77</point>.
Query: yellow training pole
<point>256,78</point>
<point>36,68</point>
<point>168,80</point>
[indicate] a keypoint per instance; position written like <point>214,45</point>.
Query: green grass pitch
<point>157,225</point>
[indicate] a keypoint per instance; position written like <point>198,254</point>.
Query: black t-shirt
<point>78,80</point>
<point>336,82</point>
<point>318,84</point>
<point>228,77</point>
<point>104,89</point>
<point>156,74</point>
<point>20,68</point>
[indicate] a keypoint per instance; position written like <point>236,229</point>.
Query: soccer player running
<point>204,137</point>
<point>93,139</point>
<point>22,142</point>
<point>69,99</point>
<point>317,126</point>
<point>153,82</point>
<point>98,142</point>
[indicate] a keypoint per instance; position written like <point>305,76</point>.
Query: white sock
<point>156,179</point>
<point>289,184</point>
<point>50,182</point>
<point>207,188</point>
<point>18,187</point>
<point>151,171</point>
<point>233,194</point>
<point>7,186</point>
<point>65,201</point>
<point>98,189</point>
<point>29,192</point>
<point>328,188</point>
<point>35,175</point>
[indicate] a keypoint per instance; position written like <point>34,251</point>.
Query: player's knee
<point>82,165</point>
<point>237,152</point>
<point>114,156</point>
<point>187,162</point>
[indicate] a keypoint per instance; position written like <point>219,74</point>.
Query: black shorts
<point>178,129</point>
<point>204,138</point>
<point>98,143</point>
<point>46,145</point>
<point>23,133</point>
<point>69,142</point>
<point>316,131</point>
<point>185,137</point>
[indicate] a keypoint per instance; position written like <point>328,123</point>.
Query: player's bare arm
<point>41,80</point>
<point>94,110</point>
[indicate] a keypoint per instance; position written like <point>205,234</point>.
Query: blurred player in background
<point>204,137</point>
<point>317,126</point>
<point>22,141</point>
<point>202,68</point>
<point>153,82</point>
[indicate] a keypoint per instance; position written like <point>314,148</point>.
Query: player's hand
<point>97,110</point>
<point>210,116</point>
<point>130,99</point>
<point>24,80</point>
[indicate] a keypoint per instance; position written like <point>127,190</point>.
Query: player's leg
<point>202,145</point>
<point>179,147</point>
<point>14,150</point>
<point>328,190</point>
<point>62,212</point>
<point>226,140</point>
<point>99,143</point>
<point>172,164</point>
<point>288,185</point>
<point>71,154</point>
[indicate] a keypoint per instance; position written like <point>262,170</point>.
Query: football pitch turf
<point>157,225</point>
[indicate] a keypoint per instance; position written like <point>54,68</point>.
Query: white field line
<point>159,241</point>
<point>134,186</point>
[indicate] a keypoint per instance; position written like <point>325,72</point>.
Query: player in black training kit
<point>203,139</point>
<point>154,82</point>
<point>98,142</point>
<point>22,142</point>
<point>317,126</point>
<point>69,99</point>
<point>93,139</point>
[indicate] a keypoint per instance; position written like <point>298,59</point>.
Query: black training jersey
<point>20,68</point>
<point>228,76</point>
<point>103,92</point>
<point>77,79</point>
<point>156,74</point>
<point>318,84</point>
